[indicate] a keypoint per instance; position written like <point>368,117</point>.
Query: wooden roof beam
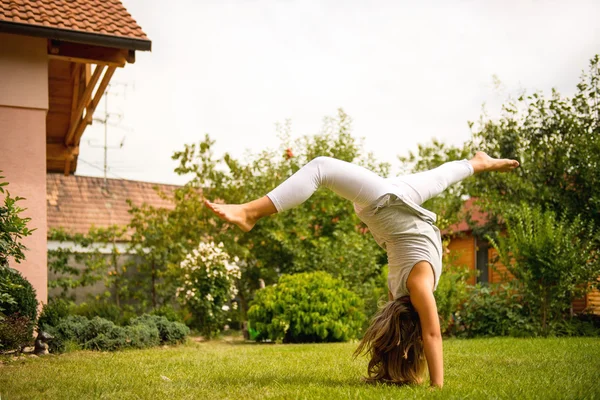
<point>60,152</point>
<point>83,103</point>
<point>92,105</point>
<point>82,53</point>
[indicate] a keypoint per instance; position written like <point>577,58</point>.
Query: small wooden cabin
<point>477,255</point>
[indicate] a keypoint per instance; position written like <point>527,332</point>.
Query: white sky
<point>404,71</point>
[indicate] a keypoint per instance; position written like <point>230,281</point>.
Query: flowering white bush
<point>208,285</point>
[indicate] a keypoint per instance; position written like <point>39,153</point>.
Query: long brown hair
<point>395,344</point>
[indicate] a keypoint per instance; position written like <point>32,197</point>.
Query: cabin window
<point>481,260</point>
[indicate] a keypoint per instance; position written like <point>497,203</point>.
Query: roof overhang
<point>74,36</point>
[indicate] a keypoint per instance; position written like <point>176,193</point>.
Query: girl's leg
<point>422,186</point>
<point>350,181</point>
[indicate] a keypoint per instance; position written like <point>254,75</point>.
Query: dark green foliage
<point>580,325</point>
<point>22,294</point>
<point>104,309</point>
<point>169,312</point>
<point>142,335</point>
<point>69,329</point>
<point>101,259</point>
<point>557,141</point>
<point>496,310</point>
<point>101,334</point>
<point>452,291</point>
<point>552,258</point>
<point>12,228</point>
<point>503,310</point>
<point>169,332</point>
<point>307,307</point>
<point>52,312</point>
<point>15,332</point>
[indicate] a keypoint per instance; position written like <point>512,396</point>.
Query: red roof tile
<point>76,203</point>
<point>108,17</point>
<point>477,216</point>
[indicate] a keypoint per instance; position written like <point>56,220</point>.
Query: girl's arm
<point>420,285</point>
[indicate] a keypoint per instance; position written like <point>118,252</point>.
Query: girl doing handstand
<point>404,336</point>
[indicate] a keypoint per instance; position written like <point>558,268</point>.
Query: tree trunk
<point>153,284</point>
<point>544,313</point>
<point>114,260</point>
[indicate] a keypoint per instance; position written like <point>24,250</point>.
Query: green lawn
<point>483,368</point>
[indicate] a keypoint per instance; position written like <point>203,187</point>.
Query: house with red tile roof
<point>76,204</point>
<point>56,59</point>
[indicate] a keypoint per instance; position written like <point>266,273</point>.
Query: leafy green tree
<point>322,234</point>
<point>557,140</point>
<point>552,258</point>
<point>155,241</point>
<point>98,251</point>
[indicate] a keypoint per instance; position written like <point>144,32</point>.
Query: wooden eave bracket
<point>82,53</point>
<point>60,152</point>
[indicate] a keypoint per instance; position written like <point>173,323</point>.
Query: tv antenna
<point>111,119</point>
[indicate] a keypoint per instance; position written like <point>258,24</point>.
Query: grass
<point>565,368</point>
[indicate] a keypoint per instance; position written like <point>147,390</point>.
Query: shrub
<point>68,330</point>
<point>53,312</point>
<point>495,310</point>
<point>12,228</point>
<point>22,294</point>
<point>14,332</point>
<point>208,285</point>
<point>76,331</point>
<point>169,312</point>
<point>452,291</point>
<point>307,307</point>
<point>109,311</point>
<point>169,332</point>
<point>142,335</point>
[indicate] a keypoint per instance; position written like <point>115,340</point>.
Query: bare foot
<point>234,213</point>
<point>482,162</point>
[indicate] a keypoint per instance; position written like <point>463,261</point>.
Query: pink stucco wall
<point>23,108</point>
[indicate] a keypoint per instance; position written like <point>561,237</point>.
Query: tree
<point>557,141</point>
<point>552,258</point>
<point>321,234</point>
<point>154,240</point>
<point>100,255</point>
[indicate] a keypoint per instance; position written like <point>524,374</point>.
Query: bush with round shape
<point>14,333</point>
<point>494,310</point>
<point>307,307</point>
<point>169,332</point>
<point>23,295</point>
